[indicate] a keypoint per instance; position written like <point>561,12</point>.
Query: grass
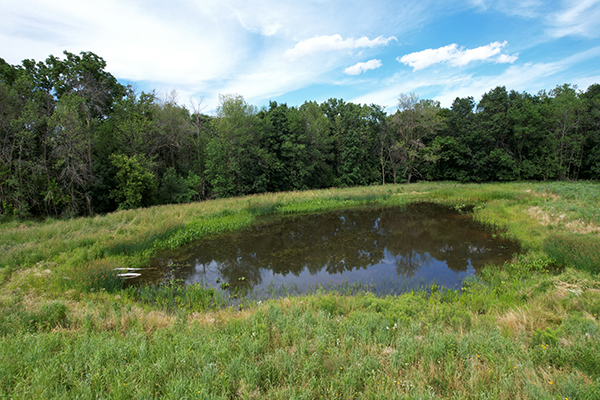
<point>525,330</point>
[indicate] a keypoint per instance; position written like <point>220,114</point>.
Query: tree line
<point>74,141</point>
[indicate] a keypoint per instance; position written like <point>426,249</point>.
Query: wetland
<point>385,249</point>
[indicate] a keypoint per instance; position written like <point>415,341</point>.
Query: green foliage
<point>175,189</point>
<point>195,185</point>
<point>72,147</point>
<point>73,141</point>
<point>136,184</point>
<point>100,190</point>
<point>235,161</point>
<point>414,126</point>
<point>50,110</point>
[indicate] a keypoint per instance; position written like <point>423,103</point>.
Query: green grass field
<point>525,330</point>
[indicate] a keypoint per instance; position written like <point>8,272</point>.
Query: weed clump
<point>93,276</point>
<point>175,295</point>
<point>49,316</point>
<point>574,250</point>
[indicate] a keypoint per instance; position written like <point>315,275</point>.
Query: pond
<point>387,250</point>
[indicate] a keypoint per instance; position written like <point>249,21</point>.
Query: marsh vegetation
<point>525,329</point>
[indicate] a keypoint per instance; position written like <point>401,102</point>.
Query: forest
<point>74,141</point>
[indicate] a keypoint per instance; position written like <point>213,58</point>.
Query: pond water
<point>386,249</point>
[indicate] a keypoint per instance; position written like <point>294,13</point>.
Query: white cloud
<point>207,47</point>
<point>266,48</point>
<point>321,44</point>
<point>139,43</point>
<point>507,59</point>
<point>387,94</point>
<point>447,86</point>
<point>577,18</point>
<point>360,67</point>
<point>454,56</point>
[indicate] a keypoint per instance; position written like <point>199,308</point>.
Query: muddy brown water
<point>386,250</point>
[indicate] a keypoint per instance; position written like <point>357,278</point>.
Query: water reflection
<point>421,243</point>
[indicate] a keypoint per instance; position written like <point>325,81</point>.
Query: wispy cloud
<point>263,49</point>
<point>447,86</point>
<point>521,78</point>
<point>321,44</point>
<point>456,56</point>
<point>258,48</point>
<point>577,18</point>
<point>521,8</point>
<point>360,67</point>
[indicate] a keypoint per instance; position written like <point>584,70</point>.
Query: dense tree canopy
<point>73,141</point>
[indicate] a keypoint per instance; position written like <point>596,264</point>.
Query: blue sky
<point>364,52</point>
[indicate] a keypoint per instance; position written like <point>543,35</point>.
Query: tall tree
<point>455,155</point>
<point>71,145</point>
<point>195,150</point>
<point>172,127</point>
<point>564,115</point>
<point>529,141</point>
<point>378,124</point>
<point>235,163</point>
<point>414,123</point>
<point>85,75</point>
<point>591,162</point>
<point>494,157</point>
<point>25,106</point>
<point>319,146</point>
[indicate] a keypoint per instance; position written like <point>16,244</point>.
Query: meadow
<point>524,330</point>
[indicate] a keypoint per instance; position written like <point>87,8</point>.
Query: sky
<point>291,52</point>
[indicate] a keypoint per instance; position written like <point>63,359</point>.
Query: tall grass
<point>525,330</point>
<point>579,201</point>
<point>575,250</point>
<point>94,275</point>
<point>176,295</point>
<point>436,345</point>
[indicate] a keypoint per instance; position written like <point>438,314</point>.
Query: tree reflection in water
<point>424,240</point>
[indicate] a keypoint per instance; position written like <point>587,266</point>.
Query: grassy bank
<point>526,330</point>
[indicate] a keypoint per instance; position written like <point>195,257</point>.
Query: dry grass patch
<point>544,195</point>
<point>155,320</point>
<point>521,320</point>
<point>561,220</point>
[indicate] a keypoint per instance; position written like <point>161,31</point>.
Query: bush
<point>174,189</point>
